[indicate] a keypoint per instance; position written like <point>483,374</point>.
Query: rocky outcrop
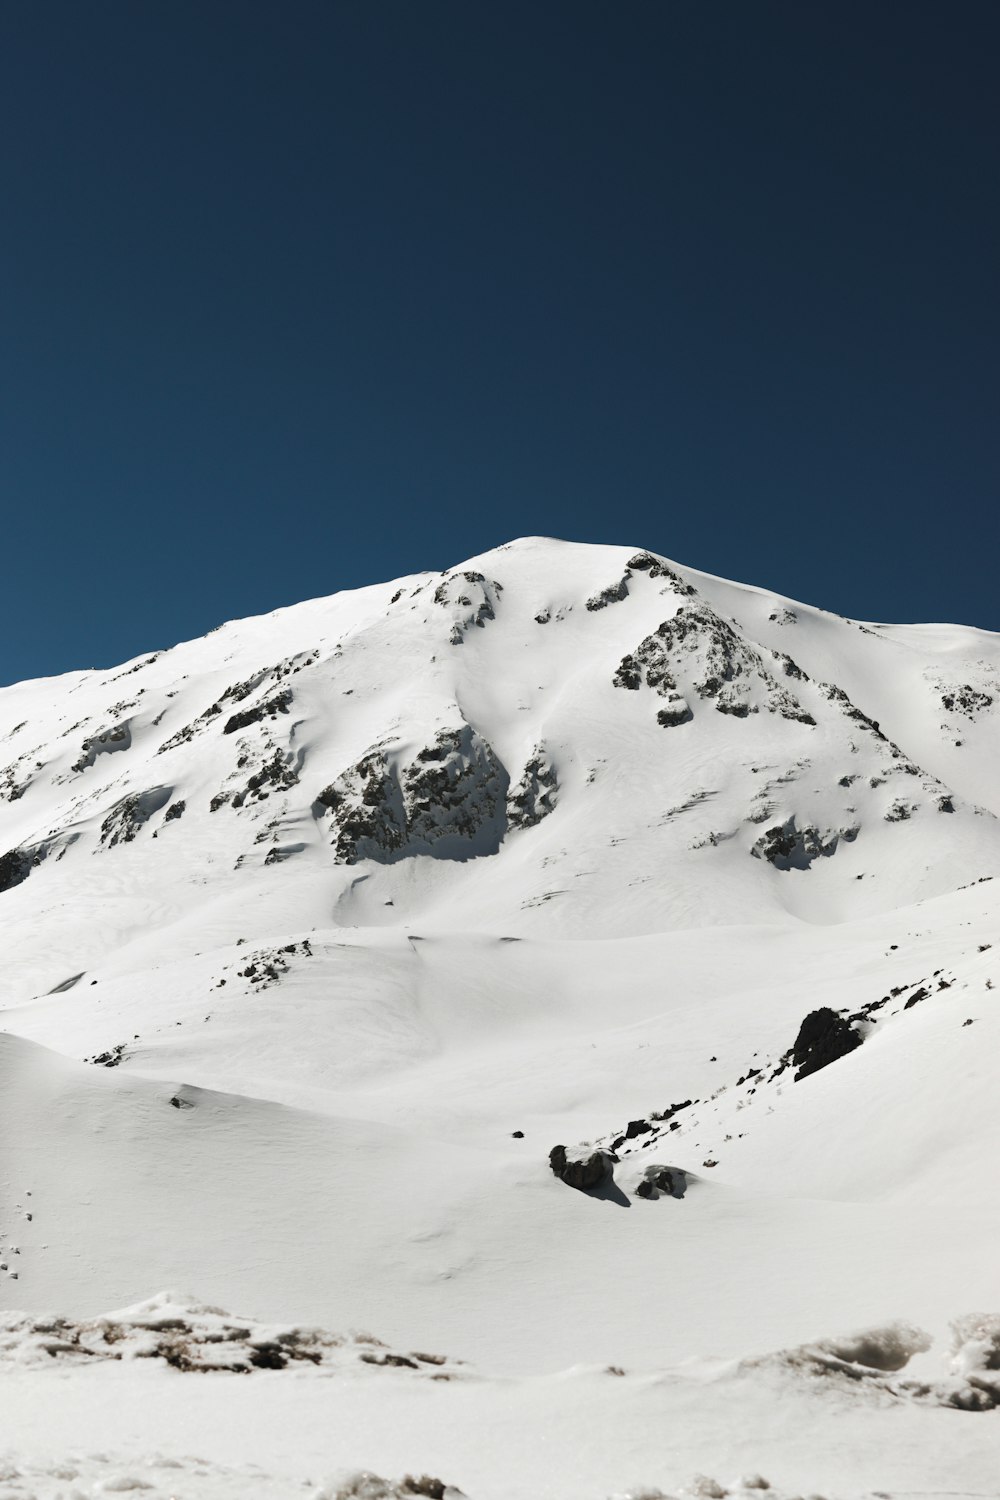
<point>613,594</point>
<point>788,847</point>
<point>699,650</point>
<point>583,1167</point>
<point>106,742</point>
<point>15,866</point>
<point>449,801</point>
<point>470,598</point>
<point>269,709</point>
<point>824,1037</point>
<point>131,814</point>
<point>655,567</point>
<point>535,794</point>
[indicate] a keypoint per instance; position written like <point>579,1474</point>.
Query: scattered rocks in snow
<point>110,1059</point>
<point>195,1338</point>
<point>824,1037</point>
<point>967,700</point>
<point>276,774</point>
<point>269,965</point>
<point>365,1485</point>
<point>582,1166</point>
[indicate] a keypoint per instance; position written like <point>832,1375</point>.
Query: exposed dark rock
<point>788,847</point>
<point>677,712</point>
<point>450,801</point>
<point>613,594</point>
<point>824,1037</point>
<point>582,1167</point>
<point>129,815</point>
<point>15,866</point>
<point>107,742</point>
<point>662,1181</point>
<point>534,796</point>
<point>966,700</point>
<point>629,674</point>
<point>646,562</point>
<point>472,600</point>
<point>279,704</point>
<point>698,645</point>
<point>175,810</point>
<point>109,1059</point>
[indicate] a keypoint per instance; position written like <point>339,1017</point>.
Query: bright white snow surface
<point>344,896</point>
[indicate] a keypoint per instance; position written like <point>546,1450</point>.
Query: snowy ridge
<point>323,932</point>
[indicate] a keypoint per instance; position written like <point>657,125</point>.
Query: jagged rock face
<point>450,800</point>
<point>535,794</point>
<point>788,847</point>
<point>701,648</point>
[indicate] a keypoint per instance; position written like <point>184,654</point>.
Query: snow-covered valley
<point>321,932</point>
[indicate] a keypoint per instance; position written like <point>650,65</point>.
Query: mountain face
<point>556,726</point>
<point>321,933</point>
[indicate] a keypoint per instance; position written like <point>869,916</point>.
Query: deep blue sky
<point>298,296</point>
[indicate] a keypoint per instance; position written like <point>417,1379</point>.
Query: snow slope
<point>366,904</point>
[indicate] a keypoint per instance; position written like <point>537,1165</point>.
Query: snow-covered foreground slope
<point>367,904</point>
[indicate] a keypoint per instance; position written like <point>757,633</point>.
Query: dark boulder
<point>823,1038</point>
<point>582,1167</point>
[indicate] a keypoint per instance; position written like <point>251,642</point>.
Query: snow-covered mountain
<point>320,932</point>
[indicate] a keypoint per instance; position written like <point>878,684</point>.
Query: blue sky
<point>299,297</point>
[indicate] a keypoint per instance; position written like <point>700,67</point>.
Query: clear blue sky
<point>298,296</point>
